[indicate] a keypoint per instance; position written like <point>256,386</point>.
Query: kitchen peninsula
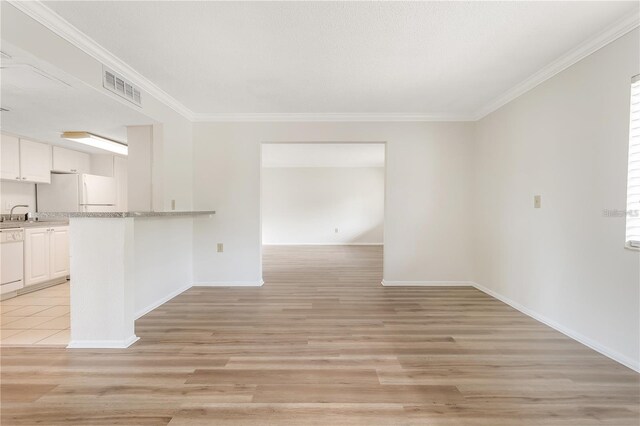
<point>123,265</point>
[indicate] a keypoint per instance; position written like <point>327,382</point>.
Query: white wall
<point>102,165</point>
<point>163,249</point>
<point>428,196</point>
<point>12,193</point>
<point>122,268</point>
<point>566,140</point>
<point>304,205</point>
<point>102,261</point>
<point>121,173</point>
<point>140,185</point>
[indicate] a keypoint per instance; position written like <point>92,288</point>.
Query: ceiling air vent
<point>117,84</point>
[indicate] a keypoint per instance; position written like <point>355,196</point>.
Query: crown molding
<point>600,40</point>
<point>47,17</point>
<point>302,117</point>
<point>61,27</point>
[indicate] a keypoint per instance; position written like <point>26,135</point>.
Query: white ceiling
<point>440,58</point>
<point>323,155</point>
<point>43,102</point>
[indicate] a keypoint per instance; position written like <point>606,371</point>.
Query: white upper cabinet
<point>9,157</point>
<point>69,161</point>
<point>35,161</point>
<point>25,160</point>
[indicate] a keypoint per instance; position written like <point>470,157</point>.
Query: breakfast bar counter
<point>123,265</point>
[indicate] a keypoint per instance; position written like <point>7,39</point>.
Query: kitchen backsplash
<point>12,193</point>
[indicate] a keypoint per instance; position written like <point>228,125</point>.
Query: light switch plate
<point>537,201</point>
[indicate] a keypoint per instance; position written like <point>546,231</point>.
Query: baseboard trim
<point>609,353</point>
<point>388,283</point>
<point>103,344</point>
<point>324,244</point>
<point>578,337</point>
<point>229,284</point>
<point>161,302</point>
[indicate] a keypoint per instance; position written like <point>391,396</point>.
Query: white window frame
<point>632,236</point>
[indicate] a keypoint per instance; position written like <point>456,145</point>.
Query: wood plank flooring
<point>322,342</point>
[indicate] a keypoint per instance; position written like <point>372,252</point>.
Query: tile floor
<point>40,318</point>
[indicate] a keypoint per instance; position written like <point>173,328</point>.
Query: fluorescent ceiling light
<point>97,142</point>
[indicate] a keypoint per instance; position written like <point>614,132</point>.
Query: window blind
<point>633,176</point>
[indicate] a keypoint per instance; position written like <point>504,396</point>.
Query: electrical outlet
<point>336,230</point>
<point>173,204</point>
<point>220,247</point>
<point>537,201</point>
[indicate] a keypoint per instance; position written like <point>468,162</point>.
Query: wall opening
<point>322,197</point>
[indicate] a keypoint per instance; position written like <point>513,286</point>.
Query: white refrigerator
<point>77,193</point>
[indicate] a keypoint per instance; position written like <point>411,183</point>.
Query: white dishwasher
<point>11,259</point>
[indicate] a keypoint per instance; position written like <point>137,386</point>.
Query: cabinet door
<point>35,161</point>
<point>36,256</point>
<point>69,161</point>
<point>9,157</point>
<point>59,252</point>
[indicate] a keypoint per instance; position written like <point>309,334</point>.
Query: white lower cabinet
<point>36,256</point>
<point>46,254</point>
<point>59,252</point>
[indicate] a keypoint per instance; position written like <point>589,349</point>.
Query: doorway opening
<point>322,201</point>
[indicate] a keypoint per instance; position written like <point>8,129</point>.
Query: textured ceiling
<point>323,155</point>
<point>447,58</point>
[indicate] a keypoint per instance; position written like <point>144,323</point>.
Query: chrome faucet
<point>17,205</point>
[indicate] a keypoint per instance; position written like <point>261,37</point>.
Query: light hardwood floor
<point>322,342</point>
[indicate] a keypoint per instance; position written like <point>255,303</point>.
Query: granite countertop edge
<point>116,215</point>
<point>32,224</point>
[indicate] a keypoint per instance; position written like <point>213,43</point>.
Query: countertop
<point>32,224</point>
<point>115,215</point>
